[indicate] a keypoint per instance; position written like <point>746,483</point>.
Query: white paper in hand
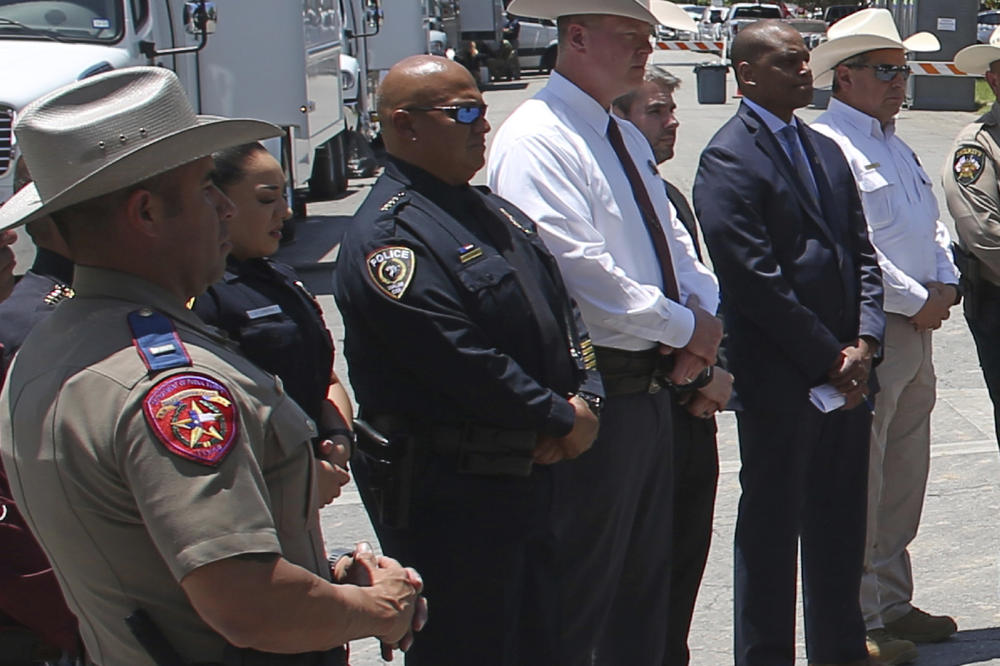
<point>826,398</point>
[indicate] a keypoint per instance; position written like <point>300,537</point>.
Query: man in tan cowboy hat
<point>970,186</point>
<point>590,182</point>
<point>169,481</point>
<point>867,59</point>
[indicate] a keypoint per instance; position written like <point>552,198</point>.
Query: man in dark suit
<point>802,294</point>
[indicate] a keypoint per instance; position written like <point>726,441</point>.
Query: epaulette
<point>393,201</point>
<point>156,340</point>
<point>59,293</point>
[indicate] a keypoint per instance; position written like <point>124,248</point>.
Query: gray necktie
<point>799,163</point>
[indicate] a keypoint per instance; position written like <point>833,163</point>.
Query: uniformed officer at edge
<point>973,196</point>
<point>463,347</point>
<point>168,479</point>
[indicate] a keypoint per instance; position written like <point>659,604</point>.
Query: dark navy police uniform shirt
<point>455,311</point>
<point>277,323</point>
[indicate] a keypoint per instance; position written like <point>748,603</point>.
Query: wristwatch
<point>594,401</point>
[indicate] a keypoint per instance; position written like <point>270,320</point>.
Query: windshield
<point>757,11</point>
<point>68,20</point>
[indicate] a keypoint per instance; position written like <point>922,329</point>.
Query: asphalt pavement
<point>955,556</point>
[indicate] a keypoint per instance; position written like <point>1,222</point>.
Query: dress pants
<point>804,477</point>
<point>696,475</point>
<point>897,470</point>
<point>613,515</point>
<point>484,548</point>
<point>984,323</point>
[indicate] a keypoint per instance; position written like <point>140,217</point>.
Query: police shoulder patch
<point>194,416</point>
<point>968,164</point>
<point>391,269</point>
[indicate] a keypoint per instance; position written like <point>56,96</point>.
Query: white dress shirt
<point>552,159</point>
<point>912,244</point>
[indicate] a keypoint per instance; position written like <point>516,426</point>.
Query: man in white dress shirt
<point>867,61</point>
<point>590,182</point>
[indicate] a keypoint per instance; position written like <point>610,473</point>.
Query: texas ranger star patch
<point>391,268</point>
<point>969,162</point>
<point>194,416</point>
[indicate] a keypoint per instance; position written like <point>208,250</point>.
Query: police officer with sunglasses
<point>920,282</point>
<point>472,366</point>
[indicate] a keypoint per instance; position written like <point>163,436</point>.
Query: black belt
<point>628,372</point>
<point>483,449</point>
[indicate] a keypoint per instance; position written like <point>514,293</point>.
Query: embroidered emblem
<point>194,416</point>
<point>391,268</point>
<point>968,165</point>
<point>59,293</point>
<point>515,222</point>
<point>396,198</point>
<point>467,253</point>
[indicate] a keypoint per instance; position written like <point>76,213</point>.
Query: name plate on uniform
<point>266,311</point>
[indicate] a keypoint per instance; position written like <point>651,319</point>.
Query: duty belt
<point>627,372</point>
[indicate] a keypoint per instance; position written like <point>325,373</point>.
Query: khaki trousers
<point>898,466</point>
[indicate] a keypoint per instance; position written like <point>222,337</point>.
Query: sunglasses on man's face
<point>886,73</point>
<point>463,115</point>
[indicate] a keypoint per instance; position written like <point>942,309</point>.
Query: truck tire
<point>329,174</point>
<point>548,61</point>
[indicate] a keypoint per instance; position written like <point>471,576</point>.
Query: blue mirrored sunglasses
<point>886,73</point>
<point>464,115</point>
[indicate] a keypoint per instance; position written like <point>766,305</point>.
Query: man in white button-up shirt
<point>920,283</point>
<point>554,158</point>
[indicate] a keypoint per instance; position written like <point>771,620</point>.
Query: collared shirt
<point>776,124</point>
<point>552,158</point>
<point>912,244</point>
<point>122,518</point>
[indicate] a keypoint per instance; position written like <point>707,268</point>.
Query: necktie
<point>791,139</point>
<point>649,217</point>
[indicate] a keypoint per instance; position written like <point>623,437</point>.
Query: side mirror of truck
<point>200,17</point>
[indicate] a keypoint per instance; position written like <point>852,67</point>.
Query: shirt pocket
<point>876,197</point>
<point>291,479</point>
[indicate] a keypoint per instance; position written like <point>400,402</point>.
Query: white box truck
<point>276,60</point>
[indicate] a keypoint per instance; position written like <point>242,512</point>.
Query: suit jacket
<point>799,278</point>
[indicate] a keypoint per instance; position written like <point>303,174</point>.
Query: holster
<point>391,460</point>
<point>971,280</point>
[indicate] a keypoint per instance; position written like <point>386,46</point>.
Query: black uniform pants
<point>613,515</point>
<point>984,323</point>
<point>484,546</point>
<point>696,475</point>
<point>805,484</point>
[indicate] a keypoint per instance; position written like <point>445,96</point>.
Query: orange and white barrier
<point>930,68</point>
<point>697,46</point>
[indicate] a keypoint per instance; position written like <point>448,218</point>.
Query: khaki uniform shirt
<point>970,185</point>
<point>122,518</point>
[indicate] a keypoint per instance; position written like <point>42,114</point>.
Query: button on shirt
<point>912,244</point>
<point>552,158</point>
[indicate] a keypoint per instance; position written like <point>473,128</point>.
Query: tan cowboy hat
<point>860,32</point>
<point>976,59</point>
<point>651,11</point>
<point>113,130</point>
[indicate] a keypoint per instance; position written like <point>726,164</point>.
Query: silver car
<point>986,24</point>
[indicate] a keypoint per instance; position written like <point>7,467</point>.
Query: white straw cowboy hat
<point>110,131</point>
<point>860,32</point>
<point>651,11</point>
<point>976,59</point>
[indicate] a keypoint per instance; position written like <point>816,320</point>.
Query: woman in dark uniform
<point>265,308</point>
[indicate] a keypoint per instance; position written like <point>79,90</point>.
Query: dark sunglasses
<point>886,73</point>
<point>463,115</point>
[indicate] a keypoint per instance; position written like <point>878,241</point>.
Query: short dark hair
<point>657,74</point>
